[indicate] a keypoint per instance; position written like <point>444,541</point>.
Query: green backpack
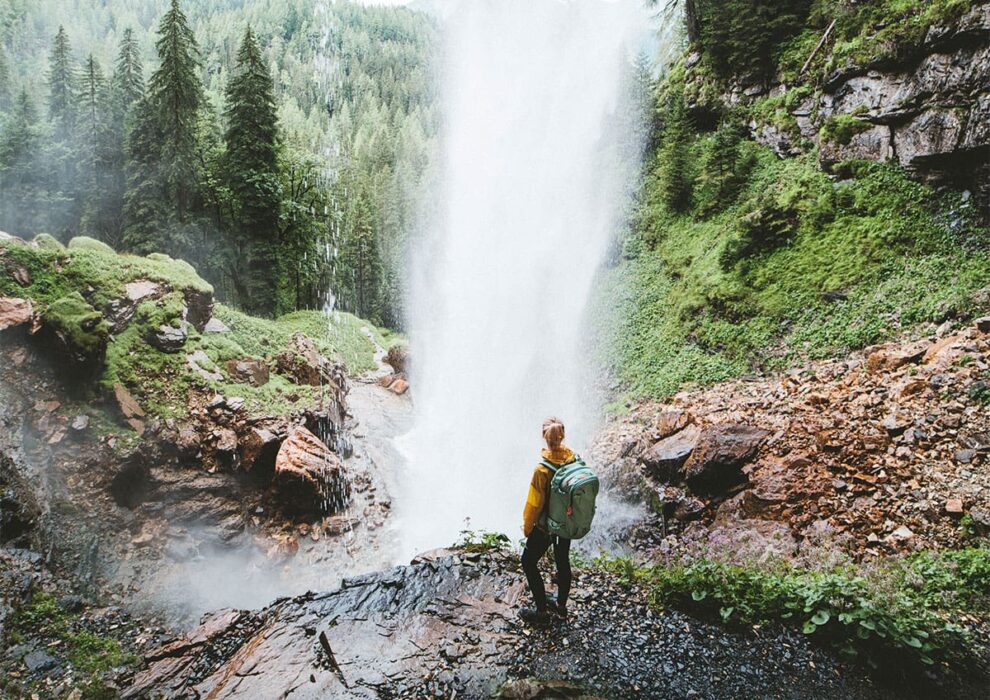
<point>571,506</point>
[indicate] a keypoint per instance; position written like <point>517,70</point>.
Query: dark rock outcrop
<point>664,460</point>
<point>717,460</point>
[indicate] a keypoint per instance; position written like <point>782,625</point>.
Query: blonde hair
<point>553,432</point>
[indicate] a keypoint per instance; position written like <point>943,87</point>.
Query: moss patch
<point>80,324</point>
<point>797,267</point>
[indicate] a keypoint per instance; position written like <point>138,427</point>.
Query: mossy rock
<point>47,241</point>
<point>159,257</point>
<point>79,329</point>
<point>91,244</point>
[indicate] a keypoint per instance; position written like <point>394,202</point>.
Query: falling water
<point>502,279</point>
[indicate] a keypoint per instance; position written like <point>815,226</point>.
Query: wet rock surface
<point>447,626</point>
<point>309,478</point>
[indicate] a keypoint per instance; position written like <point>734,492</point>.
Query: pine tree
<point>22,193</point>
<point>163,186</point>
<point>673,159</point>
<point>719,179</point>
<point>5,95</point>
<point>128,77</point>
<point>145,214</point>
<point>176,96</point>
<point>252,166</point>
<point>62,87</point>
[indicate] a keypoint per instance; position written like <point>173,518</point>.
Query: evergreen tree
<point>176,95</point>
<point>128,77</point>
<point>5,95</point>
<point>62,87</point>
<point>23,197</point>
<point>144,200</point>
<point>163,196</point>
<point>252,167</point>
<point>673,158</point>
<point>720,169</point>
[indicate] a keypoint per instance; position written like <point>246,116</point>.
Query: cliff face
<point>930,112</point>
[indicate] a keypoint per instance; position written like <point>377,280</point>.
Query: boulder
<point>169,338</point>
<point>398,358</point>
<point>14,312</point>
<point>249,371</point>
<point>716,462</point>
<point>309,478</point>
<point>259,450</point>
<point>892,356</point>
<point>215,325</point>
<point>199,307</point>
<point>304,364</point>
<point>664,460</point>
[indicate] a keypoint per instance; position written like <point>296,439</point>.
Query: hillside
<point>773,226</point>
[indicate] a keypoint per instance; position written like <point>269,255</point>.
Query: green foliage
<point>840,128</point>
<point>906,609</point>
<point>740,37</point>
<point>795,266</point>
<point>866,33</point>
<point>91,654</point>
<point>482,541</point>
<point>46,241</point>
<point>674,176</point>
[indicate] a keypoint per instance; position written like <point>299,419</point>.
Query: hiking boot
<point>534,616</point>
<point>558,609</point>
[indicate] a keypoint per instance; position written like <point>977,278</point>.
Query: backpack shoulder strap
<point>550,465</point>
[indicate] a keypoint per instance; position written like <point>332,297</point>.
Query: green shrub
<point>840,128</point>
<point>904,609</point>
<point>482,541</point>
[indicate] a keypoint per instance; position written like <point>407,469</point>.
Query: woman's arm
<point>535,499</point>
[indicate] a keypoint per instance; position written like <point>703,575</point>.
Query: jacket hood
<point>562,455</point>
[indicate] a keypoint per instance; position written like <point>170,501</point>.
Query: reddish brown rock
<point>398,358</point>
<point>671,421</point>
<point>954,506</point>
<point>14,312</point>
<point>129,408</point>
<point>304,364</point>
<point>890,357</point>
<point>309,478</point>
<point>249,371</point>
<point>399,386</point>
<point>716,462</point>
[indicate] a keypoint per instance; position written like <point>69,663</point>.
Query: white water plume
<point>530,203</point>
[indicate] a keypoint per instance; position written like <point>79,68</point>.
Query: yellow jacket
<point>539,486</point>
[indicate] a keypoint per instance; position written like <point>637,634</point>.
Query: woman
<point>538,537</point>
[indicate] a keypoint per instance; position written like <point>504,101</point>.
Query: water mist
<point>530,202</point>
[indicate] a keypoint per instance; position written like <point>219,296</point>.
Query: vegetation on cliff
<point>739,259</point>
<point>113,309</point>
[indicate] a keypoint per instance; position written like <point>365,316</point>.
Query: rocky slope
<point>446,626</point>
<point>146,430</point>
<point>885,451</point>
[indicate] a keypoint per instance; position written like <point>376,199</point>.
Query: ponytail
<point>553,432</point>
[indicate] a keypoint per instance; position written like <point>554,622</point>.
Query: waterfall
<point>527,210</point>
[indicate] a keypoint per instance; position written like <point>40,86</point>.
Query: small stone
<point>39,661</point>
<point>902,533</point>
<point>215,325</point>
<point>80,422</point>
<point>965,456</point>
<point>983,324</point>
<point>954,505</point>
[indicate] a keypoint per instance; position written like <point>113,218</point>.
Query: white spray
<point>502,280</point>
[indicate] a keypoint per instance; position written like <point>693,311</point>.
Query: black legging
<point>536,546</point>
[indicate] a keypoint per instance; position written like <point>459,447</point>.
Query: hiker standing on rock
<point>559,507</point>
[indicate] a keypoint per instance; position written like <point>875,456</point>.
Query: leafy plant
<point>482,541</point>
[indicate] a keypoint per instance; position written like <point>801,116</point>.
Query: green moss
<point>840,128</point>
<point>90,244</point>
<point>799,267</point>
<point>47,241</point>
<point>78,322</point>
